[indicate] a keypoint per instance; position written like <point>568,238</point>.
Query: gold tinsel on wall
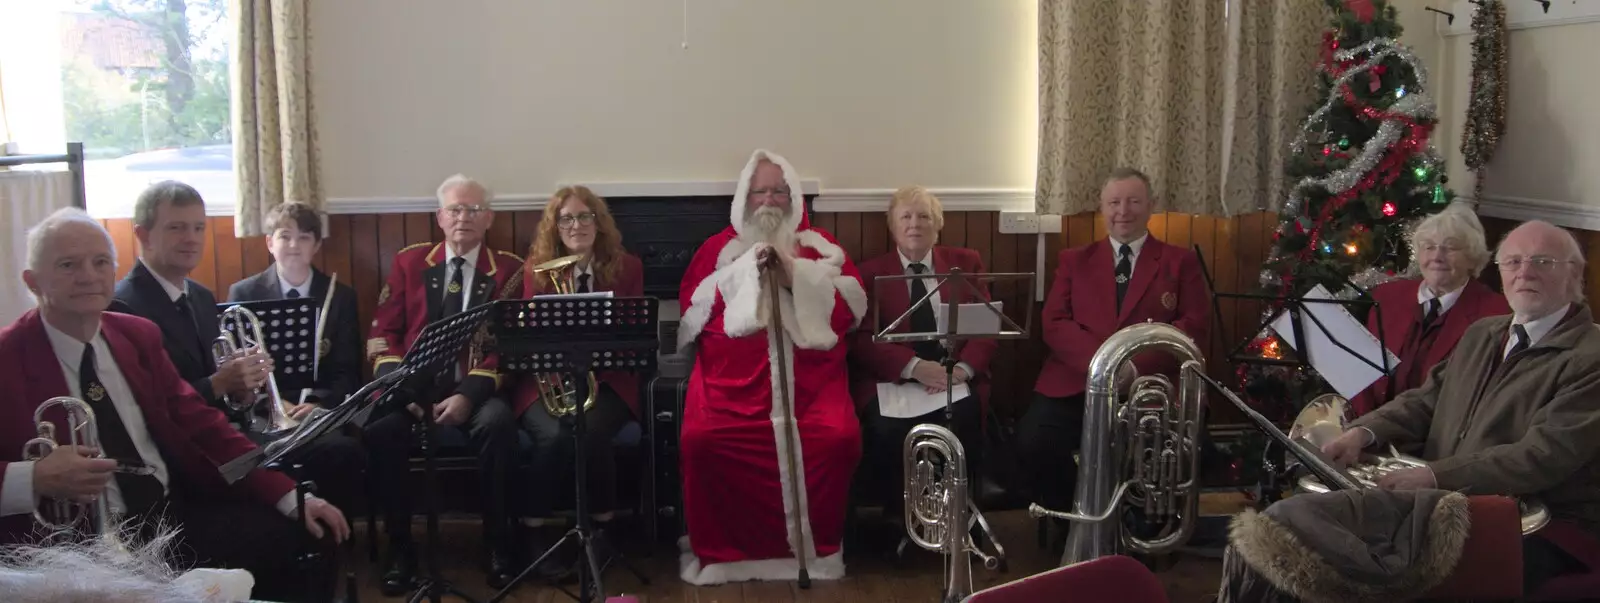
<point>1486,107</point>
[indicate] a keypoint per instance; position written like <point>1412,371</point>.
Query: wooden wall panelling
<point>228,259</point>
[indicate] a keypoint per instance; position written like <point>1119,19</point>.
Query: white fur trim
<point>797,205</point>
<point>690,569</point>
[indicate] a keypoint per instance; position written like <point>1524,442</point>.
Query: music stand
<point>574,334</point>
<point>289,327</point>
<point>953,297</point>
<point>431,360</point>
<point>1309,454</point>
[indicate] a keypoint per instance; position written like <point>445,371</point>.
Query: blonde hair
<point>1456,222</point>
<point>913,195</point>
<point>606,256</point>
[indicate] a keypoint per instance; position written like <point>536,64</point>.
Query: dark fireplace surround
<point>665,232</point>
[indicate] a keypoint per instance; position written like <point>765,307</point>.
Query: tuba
<point>937,515</point>
<point>1322,421</point>
<point>556,389</point>
<point>1139,450</point>
<point>242,331</point>
<point>63,515</point>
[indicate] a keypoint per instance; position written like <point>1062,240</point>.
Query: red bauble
<point>1363,9</point>
<point>1389,209</point>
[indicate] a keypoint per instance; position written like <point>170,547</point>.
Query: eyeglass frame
<point>568,221</point>
<point>459,210</point>
<point>1538,263</point>
<point>775,193</point>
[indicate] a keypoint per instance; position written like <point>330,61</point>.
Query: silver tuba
<point>1142,451</point>
<point>937,505</point>
<point>241,330</point>
<point>1322,421</point>
<point>64,515</point>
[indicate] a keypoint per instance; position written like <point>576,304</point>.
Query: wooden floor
<point>1190,578</point>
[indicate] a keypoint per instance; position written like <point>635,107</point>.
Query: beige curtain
<point>1273,48</point>
<point>274,138</point>
<point>1135,83</point>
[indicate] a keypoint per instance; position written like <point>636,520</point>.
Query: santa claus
<point>764,480</point>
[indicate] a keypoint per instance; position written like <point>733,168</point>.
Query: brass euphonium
<point>938,515</point>
<point>62,515</point>
<point>242,331</point>
<point>556,389</point>
<point>1322,421</point>
<point>1141,450</point>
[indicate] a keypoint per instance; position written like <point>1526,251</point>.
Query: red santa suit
<point>734,452</point>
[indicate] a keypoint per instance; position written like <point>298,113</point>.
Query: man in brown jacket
<point>1515,409</point>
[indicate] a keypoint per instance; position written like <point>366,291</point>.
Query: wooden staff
<point>775,324</point>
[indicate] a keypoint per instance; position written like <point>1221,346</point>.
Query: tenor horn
<point>241,331</point>
<point>81,430</point>
<point>938,517</point>
<point>556,390</point>
<point>1322,421</point>
<point>1140,450</point>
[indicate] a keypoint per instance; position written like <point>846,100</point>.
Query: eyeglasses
<point>775,193</point>
<point>1538,263</point>
<point>1447,247</point>
<point>567,220</point>
<point>471,211</point>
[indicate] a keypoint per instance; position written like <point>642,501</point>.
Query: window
<point>143,84</point>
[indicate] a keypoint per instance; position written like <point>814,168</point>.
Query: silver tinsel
<point>1416,105</point>
<point>1370,278</point>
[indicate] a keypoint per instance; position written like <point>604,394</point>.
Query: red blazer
<point>873,363</point>
<point>1400,317</point>
<point>1081,310</point>
<point>412,296</point>
<point>629,282</point>
<point>195,439</point>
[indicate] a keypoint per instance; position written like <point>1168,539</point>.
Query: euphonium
<point>241,330</point>
<point>937,515</point>
<point>555,389</point>
<point>1322,421</point>
<point>1142,451</point>
<point>80,430</point>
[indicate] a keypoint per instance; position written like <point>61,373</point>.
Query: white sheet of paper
<point>907,400</point>
<point>975,319</point>
<point>595,295</point>
<point>1346,373</point>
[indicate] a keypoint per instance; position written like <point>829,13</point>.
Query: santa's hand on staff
<point>776,264</point>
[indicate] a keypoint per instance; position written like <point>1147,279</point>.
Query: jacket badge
<point>96,393</point>
<point>1169,301</point>
<point>383,295</point>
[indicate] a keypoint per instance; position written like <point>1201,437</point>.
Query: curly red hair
<point>606,256</point>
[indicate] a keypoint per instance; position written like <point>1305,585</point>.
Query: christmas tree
<point>1361,169</point>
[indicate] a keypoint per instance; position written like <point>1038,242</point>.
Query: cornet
<point>242,331</point>
<point>63,515</point>
<point>555,390</point>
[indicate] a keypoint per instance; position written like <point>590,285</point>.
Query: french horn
<point>1322,421</point>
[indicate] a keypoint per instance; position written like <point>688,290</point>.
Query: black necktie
<point>583,283</point>
<point>1521,334</point>
<point>922,320</point>
<point>139,492</point>
<point>452,292</point>
<point>293,294</point>
<point>1124,271</point>
<point>187,313</point>
<point>1432,315</point>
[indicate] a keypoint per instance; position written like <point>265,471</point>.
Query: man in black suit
<point>170,223</point>
<point>294,234</point>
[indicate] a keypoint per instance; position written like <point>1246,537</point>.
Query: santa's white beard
<point>766,225</point>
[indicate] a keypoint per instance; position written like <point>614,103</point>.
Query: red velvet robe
<point>734,451</point>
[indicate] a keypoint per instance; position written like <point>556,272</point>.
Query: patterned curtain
<point>275,143</point>
<point>1271,64</point>
<point>1130,82</point>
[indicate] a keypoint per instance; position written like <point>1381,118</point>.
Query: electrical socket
<point>1019,222</point>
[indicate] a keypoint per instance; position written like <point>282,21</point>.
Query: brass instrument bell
<point>555,390</point>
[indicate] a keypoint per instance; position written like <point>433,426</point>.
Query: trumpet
<point>938,517</point>
<point>556,390</point>
<point>63,515</point>
<point>1322,421</point>
<point>241,330</point>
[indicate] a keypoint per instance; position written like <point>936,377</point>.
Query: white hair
<point>1574,253</point>
<point>460,181</point>
<point>1457,222</point>
<point>93,570</point>
<point>41,233</point>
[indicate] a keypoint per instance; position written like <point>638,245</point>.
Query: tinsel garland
<point>1486,107</point>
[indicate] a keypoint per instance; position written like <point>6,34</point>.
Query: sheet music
<point>1348,374</point>
<point>908,400</point>
<point>595,295</point>
<point>975,319</point>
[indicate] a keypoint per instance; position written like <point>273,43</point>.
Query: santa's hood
<point>797,219</point>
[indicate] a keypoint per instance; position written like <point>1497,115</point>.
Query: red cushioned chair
<point>1491,560</point>
<point>1115,579</point>
<point>1572,587</point>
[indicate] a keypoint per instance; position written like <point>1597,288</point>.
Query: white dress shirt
<point>173,291</point>
<point>1425,293</point>
<point>468,271</point>
<point>284,287</point>
<point>929,284</point>
<point>1134,247</point>
<point>1536,328</point>
<point>579,271</point>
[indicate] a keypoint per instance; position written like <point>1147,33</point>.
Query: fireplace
<point>665,232</point>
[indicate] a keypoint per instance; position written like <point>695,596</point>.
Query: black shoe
<point>503,568</point>
<point>399,573</point>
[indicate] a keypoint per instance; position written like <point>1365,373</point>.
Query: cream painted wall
<point>1550,154</point>
<point>527,94</point>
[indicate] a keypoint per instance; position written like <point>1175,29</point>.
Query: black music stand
<point>953,297</point>
<point>290,329</point>
<point>575,334</point>
<point>430,361</point>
